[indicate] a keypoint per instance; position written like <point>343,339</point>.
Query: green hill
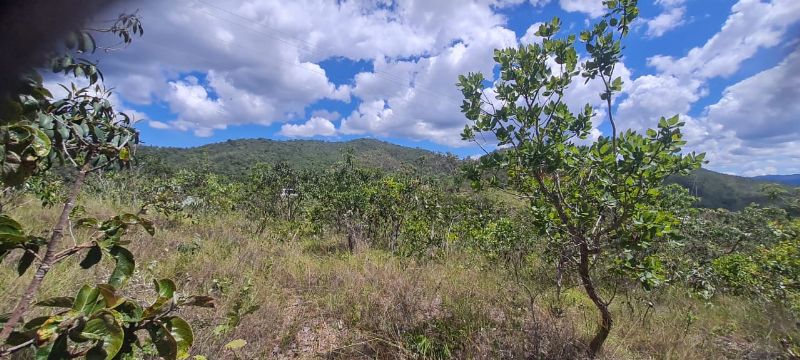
<point>717,190</point>
<point>234,157</point>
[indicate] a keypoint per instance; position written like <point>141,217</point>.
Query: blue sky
<point>208,71</point>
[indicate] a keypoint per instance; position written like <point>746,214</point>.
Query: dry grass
<point>308,298</point>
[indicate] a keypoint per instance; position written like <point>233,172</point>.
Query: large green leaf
<point>86,299</point>
<point>182,333</point>
<point>11,233</point>
<point>166,291</point>
<point>165,288</point>
<point>106,328</point>
<point>124,268</point>
<point>130,310</point>
<point>41,143</point>
<point>35,323</point>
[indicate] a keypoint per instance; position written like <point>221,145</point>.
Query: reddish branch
<point>50,256</point>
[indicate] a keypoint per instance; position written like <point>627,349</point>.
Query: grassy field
<point>290,296</point>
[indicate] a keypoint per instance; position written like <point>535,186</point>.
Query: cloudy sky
<point>212,70</point>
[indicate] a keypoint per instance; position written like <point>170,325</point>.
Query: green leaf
<point>76,330</point>
<point>124,154</point>
<point>93,257</point>
<point>181,331</point>
<point>18,337</point>
<point>61,301</point>
<point>124,268</point>
<point>166,290</point>
<point>11,233</point>
<point>88,223</point>
<point>235,344</point>
<point>130,310</point>
<point>86,299</point>
<point>41,143</point>
<point>105,328</point>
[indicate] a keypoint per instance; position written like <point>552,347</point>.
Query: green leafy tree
<point>598,204</point>
<point>83,133</point>
<point>271,192</point>
<point>346,195</point>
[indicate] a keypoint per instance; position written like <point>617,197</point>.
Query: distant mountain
<point>783,179</point>
<point>234,157</point>
<point>717,190</point>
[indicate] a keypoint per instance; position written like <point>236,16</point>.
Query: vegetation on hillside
<point>715,190</point>
<point>550,249</point>
<point>81,132</point>
<point>235,157</point>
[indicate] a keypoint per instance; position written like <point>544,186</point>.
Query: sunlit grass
<point>308,297</point>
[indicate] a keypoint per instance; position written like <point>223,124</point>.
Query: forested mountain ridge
<point>718,190</point>
<point>234,157</point>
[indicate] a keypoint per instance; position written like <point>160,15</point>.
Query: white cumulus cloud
<point>316,126</point>
<point>593,8</point>
<point>666,21</point>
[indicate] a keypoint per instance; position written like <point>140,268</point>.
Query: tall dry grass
<point>309,298</point>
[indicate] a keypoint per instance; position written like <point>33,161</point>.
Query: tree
<point>271,192</point>
<point>83,133</point>
<point>599,204</point>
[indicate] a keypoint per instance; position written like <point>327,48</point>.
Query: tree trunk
<point>351,236</point>
<point>49,256</point>
<point>395,235</point>
<point>351,241</point>
<point>560,281</point>
<point>604,326</point>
